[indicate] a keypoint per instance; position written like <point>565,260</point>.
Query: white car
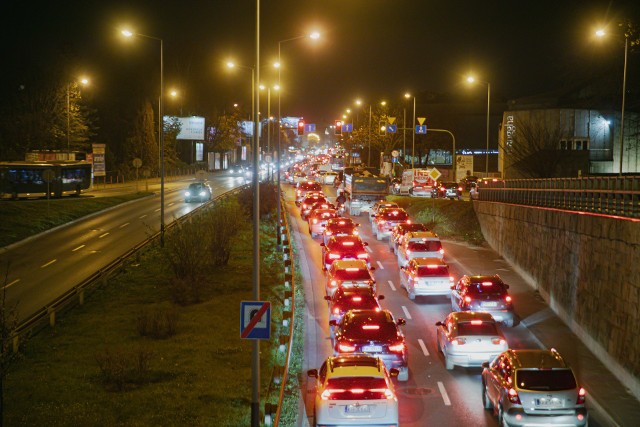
<point>354,390</point>
<point>379,205</point>
<point>426,277</point>
<point>329,178</point>
<point>419,244</point>
<point>469,339</point>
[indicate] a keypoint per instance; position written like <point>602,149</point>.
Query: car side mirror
<point>452,287</point>
<point>313,373</point>
<point>372,269</point>
<point>439,324</point>
<point>327,298</point>
<point>506,286</point>
<point>485,365</point>
<point>321,243</point>
<point>402,267</point>
<point>394,372</point>
<point>380,297</point>
<point>401,321</point>
<point>333,323</point>
<point>366,243</point>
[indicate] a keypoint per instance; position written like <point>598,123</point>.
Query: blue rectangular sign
<point>392,128</point>
<point>309,127</point>
<point>255,320</point>
<point>347,127</point>
<point>421,129</point>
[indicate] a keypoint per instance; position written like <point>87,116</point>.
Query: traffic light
<point>300,127</point>
<point>382,127</point>
<point>338,128</point>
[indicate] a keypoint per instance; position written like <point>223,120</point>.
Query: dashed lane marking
<point>444,394</point>
<point>102,235</point>
<point>406,312</point>
<point>78,248</point>
<point>124,225</point>
<point>423,347</point>
<point>368,249</point>
<point>393,288</point>
<point>140,217</point>
<point>48,264</point>
<point>12,283</point>
<point>380,265</point>
<point>157,210</point>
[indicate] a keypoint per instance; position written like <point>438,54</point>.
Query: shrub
<point>122,369</point>
<point>223,223</point>
<point>185,247</point>
<point>268,196</point>
<point>185,291</point>
<point>158,323</point>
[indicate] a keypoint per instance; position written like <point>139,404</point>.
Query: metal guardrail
<point>75,295</point>
<point>606,195</point>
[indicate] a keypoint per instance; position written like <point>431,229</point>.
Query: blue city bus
<point>28,179</point>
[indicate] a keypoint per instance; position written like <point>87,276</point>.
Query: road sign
<point>391,120</point>
<point>392,128</point>
<point>421,129</point>
<point>347,127</point>
<point>434,174</point>
<point>421,120</point>
<point>309,127</point>
<point>137,163</point>
<point>395,153</point>
<point>255,320</point>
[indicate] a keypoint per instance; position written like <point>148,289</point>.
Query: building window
<point>564,145</point>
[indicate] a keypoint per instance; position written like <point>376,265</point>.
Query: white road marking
<point>503,269</point>
<point>102,235</point>
<point>140,217</point>
<point>393,288</point>
<point>368,249</point>
<point>423,347</point>
<point>380,265</point>
<point>124,225</point>
<point>172,203</point>
<point>78,248</point>
<point>406,312</point>
<point>157,210</point>
<point>12,283</point>
<point>444,394</point>
<point>48,264</point>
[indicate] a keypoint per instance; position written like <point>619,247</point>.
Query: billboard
<point>99,151</point>
<point>191,128</point>
<point>464,165</point>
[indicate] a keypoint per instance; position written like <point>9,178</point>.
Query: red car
<point>386,219</point>
<point>308,202</point>
<point>344,247</point>
<point>345,299</point>
<point>339,227</point>
<point>317,220</point>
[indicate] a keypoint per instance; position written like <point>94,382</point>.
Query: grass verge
<point>199,376</point>
<point>25,218</point>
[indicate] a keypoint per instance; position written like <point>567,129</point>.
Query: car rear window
<point>425,246</point>
<point>355,388</point>
<point>545,379</point>
<point>357,274</point>
<point>364,327</point>
<point>484,328</point>
<point>480,289</point>
<point>434,270</point>
<point>360,302</point>
<point>395,215</point>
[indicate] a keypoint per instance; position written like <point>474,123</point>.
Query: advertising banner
<point>99,165</point>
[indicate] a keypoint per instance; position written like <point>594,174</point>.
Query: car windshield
<point>488,288</point>
<point>433,270</point>
<point>484,328</point>
<point>352,274</point>
<point>368,327</point>
<point>357,301</point>
<point>356,388</point>
<point>406,228</point>
<point>425,246</point>
<point>195,187</point>
<point>545,379</point>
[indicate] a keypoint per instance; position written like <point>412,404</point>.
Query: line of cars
<point>521,387</point>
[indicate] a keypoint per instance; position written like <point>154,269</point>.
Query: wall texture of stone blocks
<point>588,266</point>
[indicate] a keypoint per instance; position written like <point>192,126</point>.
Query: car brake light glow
<point>356,299</point>
<point>408,221</point>
<point>352,269</point>
<point>304,206</point>
<point>513,396</point>
<point>346,348</point>
<point>432,266</point>
<point>507,298</point>
<point>442,251</point>
<point>582,394</point>
<point>334,256</point>
<point>315,220</point>
<point>396,348</point>
<point>451,279</point>
<point>336,310</point>
<point>357,390</point>
<point>333,283</point>
<point>467,299</point>
<point>476,322</point>
<point>327,393</point>
<point>370,327</point>
<point>348,243</point>
<point>363,256</point>
<point>487,283</point>
<point>459,341</point>
<point>328,233</point>
<point>498,341</point>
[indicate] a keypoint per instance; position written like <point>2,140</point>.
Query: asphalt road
<point>433,395</point>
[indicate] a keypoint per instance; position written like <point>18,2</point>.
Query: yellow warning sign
<point>434,174</point>
<point>391,120</point>
<point>421,120</point>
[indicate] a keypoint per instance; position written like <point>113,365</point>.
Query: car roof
<point>420,262</point>
<point>421,235</point>
<point>355,365</point>
<point>340,264</point>
<point>483,278</point>
<point>540,359</point>
<point>467,316</point>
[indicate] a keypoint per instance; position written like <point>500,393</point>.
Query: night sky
<point>372,49</point>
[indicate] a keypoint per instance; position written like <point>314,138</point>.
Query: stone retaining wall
<point>586,266</point>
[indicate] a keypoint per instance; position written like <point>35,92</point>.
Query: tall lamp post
<point>231,64</point>
<point>472,79</point>
<point>314,36</point>
<point>602,33</point>
<point>413,131</point>
<point>84,81</point>
<point>128,33</point>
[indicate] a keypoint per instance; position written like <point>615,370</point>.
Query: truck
<point>362,188</point>
<point>417,182</point>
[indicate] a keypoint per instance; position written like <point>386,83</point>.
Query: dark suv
<point>533,387</point>
<point>197,191</point>
<point>486,294</point>
<point>374,332</point>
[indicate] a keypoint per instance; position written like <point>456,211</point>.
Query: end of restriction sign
<point>255,320</point>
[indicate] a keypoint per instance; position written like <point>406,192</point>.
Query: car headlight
<point>203,193</point>
<point>187,194</point>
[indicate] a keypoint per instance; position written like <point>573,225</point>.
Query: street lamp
<point>84,81</point>
<point>602,33</point>
<point>472,80</point>
<point>315,35</point>
<point>128,34</point>
<point>269,118</point>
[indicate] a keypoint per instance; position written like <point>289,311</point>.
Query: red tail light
<point>304,206</point>
<point>370,327</point>
<point>498,341</point>
<point>328,233</point>
<point>363,256</point>
<point>315,220</point>
<point>397,348</point>
<point>334,256</point>
<point>333,283</point>
<point>459,341</point>
<point>507,299</point>
<point>326,395</point>
<point>336,310</point>
<point>346,348</point>
<point>356,299</point>
<point>513,396</point>
<point>476,322</point>
<point>442,251</point>
<point>467,299</point>
<point>582,394</point>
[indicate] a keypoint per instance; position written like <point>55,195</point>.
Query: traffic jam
<point>369,357</point>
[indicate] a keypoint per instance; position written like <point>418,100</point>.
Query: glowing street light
<point>413,132</point>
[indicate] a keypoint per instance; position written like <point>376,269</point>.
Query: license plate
<point>357,409</point>
<point>490,304</point>
<point>372,348</point>
<point>554,402</point>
